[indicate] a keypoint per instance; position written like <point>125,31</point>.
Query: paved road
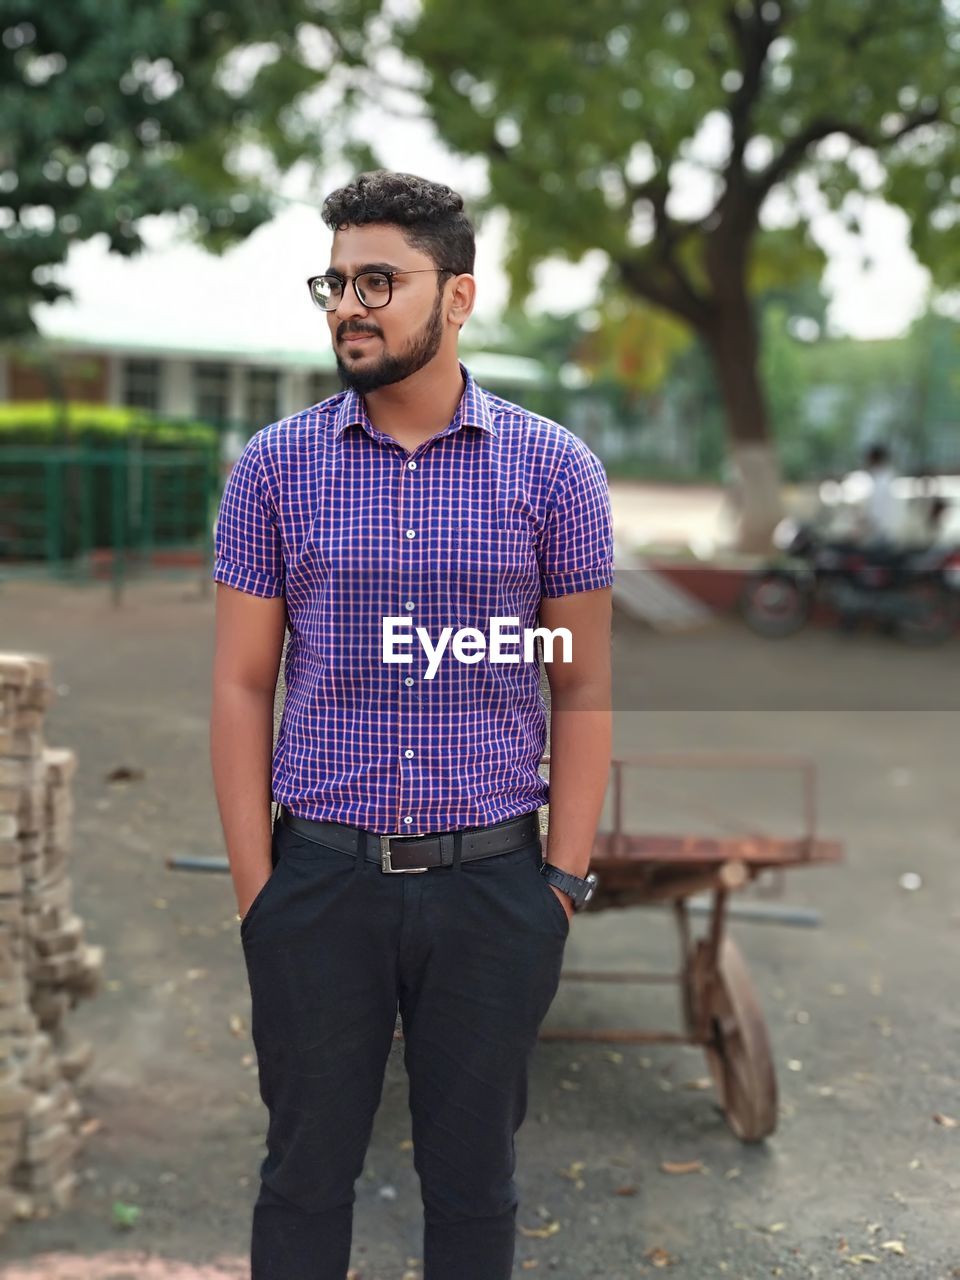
<point>863,1012</point>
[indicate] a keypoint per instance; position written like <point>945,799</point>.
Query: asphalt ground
<point>862,1012</point>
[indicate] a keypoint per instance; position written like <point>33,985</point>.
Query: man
<point>881,512</point>
<point>414,497</point>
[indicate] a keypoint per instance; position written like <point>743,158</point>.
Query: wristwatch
<point>578,889</point>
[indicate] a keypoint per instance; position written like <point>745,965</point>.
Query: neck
<point>420,405</point>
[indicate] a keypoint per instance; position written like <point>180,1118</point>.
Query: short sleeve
<point>576,546</point>
<point>248,551</point>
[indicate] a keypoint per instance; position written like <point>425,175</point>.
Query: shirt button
<point>408,680</point>
<point>411,533</point>
<point>408,753</point>
<point>408,818</point>
<point>409,604</point>
<point>412,466</point>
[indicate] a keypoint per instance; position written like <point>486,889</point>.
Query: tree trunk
<point>756,482</point>
<point>734,349</point>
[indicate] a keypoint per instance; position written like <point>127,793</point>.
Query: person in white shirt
<point>881,511</point>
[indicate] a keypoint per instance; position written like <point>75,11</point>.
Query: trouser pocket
<point>265,889</point>
<point>517,876</point>
<point>556,906</point>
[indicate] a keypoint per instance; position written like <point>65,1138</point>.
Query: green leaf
<point>113,113</point>
<point>125,1215</point>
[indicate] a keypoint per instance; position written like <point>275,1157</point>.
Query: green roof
<point>486,366</point>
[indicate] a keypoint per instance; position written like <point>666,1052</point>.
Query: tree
<point>115,110</point>
<point>632,345</point>
<point>597,121</point>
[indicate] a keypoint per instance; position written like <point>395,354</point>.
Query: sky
<point>255,293</point>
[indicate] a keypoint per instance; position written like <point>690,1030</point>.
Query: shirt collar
<point>472,411</point>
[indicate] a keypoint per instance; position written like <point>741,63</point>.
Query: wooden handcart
<point>719,1006</point>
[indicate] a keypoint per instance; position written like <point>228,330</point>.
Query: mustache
<point>345,332</point>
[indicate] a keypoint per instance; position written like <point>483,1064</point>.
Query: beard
<point>419,351</point>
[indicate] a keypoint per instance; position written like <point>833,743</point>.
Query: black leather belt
<point>418,852</point>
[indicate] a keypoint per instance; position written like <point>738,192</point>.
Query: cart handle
<point>724,761</point>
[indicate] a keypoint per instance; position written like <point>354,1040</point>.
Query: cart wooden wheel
<point>724,1009</point>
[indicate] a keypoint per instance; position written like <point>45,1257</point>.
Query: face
<point>377,346</point>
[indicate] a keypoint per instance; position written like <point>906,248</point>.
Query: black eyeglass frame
<point>371,271</point>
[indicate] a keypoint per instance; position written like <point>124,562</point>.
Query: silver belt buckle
<point>385,864</point>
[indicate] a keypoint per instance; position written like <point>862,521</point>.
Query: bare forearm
<point>581,730</point>
<point>241,750</point>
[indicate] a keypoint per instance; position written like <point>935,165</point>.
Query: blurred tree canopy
<point>659,132</point>
<point>691,142</point>
<point>632,345</point>
<point>112,110</point>
<point>827,397</point>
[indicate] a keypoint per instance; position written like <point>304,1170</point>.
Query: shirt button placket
<point>409,535</point>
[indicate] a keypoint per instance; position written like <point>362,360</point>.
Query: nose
<point>349,305</point>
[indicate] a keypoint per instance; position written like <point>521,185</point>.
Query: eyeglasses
<point>373,288</point>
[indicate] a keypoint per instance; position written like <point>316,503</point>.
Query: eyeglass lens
<point>373,290</point>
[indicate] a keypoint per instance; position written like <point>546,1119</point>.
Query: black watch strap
<point>576,888</point>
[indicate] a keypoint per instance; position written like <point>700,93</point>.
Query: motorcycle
<point>912,592</point>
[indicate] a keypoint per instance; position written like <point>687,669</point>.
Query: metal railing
<point>85,514</point>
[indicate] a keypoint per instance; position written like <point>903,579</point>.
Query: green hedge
<point>61,489</point>
<point>35,423</point>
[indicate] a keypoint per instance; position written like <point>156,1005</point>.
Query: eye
<point>376,280</point>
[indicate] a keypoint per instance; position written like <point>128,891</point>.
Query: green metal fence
<point>87,514</point>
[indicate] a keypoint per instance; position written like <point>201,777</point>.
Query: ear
<point>461,297</point>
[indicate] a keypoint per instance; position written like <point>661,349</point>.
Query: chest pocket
<point>493,571</point>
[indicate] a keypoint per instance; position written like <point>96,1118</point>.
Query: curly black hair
<point>430,214</point>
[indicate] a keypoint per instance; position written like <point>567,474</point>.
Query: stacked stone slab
<point>46,966</point>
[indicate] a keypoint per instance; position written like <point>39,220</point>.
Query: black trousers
<point>470,955</point>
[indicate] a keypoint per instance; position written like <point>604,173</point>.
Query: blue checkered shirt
<point>496,510</point>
